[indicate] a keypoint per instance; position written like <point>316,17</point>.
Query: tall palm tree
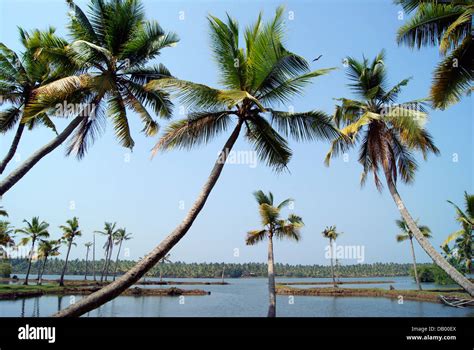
<point>110,232</point>
<point>120,236</point>
<point>406,234</point>
<point>88,246</point>
<point>20,77</point>
<point>112,45</point>
<point>273,226</point>
<point>70,231</point>
<point>34,230</point>
<point>331,234</point>
<point>447,24</point>
<point>463,237</point>
<point>163,260</point>
<point>46,249</point>
<point>388,135</point>
<point>266,75</point>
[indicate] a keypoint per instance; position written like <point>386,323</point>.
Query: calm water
<point>244,297</point>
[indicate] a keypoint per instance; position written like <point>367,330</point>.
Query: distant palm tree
<point>34,229</point>
<point>463,237</point>
<point>331,234</point>
<point>257,78</point>
<point>88,245</point>
<point>110,232</point>
<point>163,260</point>
<point>70,231</point>
<point>447,24</point>
<point>274,226</point>
<point>6,237</point>
<point>120,236</point>
<point>388,135</point>
<point>20,77</point>
<point>112,43</point>
<point>407,234</point>
<point>46,249</point>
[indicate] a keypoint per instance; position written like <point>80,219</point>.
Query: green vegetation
<point>433,273</point>
<point>214,270</point>
<point>5,269</point>
<point>273,227</point>
<point>447,24</point>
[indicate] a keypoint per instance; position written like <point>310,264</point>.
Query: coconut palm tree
<point>34,230</point>
<point>70,231</point>
<point>331,234</point>
<point>46,249</point>
<point>406,234</point>
<point>388,135</point>
<point>463,237</point>
<point>110,232</point>
<point>163,260</point>
<point>88,246</point>
<point>120,236</point>
<point>258,77</point>
<point>447,24</point>
<point>273,226</point>
<point>112,45</point>
<point>20,77</point>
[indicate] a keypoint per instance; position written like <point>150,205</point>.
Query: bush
<point>432,273</point>
<point>5,270</point>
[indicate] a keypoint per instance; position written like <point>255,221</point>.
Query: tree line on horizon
<point>105,63</point>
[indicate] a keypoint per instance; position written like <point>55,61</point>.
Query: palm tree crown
<point>331,233</point>
<point>388,133</point>
<point>256,78</point>
<point>112,44</point>
<point>34,229</point>
<point>71,229</point>
<point>274,225</point>
<point>446,24</point>
<point>405,232</point>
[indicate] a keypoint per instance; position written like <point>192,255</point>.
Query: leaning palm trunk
<point>21,171</point>
<point>271,279</point>
<point>107,264</point>
<point>29,262</point>
<point>61,281</point>
<point>426,245</point>
<point>332,264</point>
<point>117,260</point>
<point>135,273</point>
<point>414,264</point>
<point>40,278</point>
<point>13,147</point>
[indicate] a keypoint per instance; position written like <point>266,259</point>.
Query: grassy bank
<point>425,295</point>
<point>16,291</point>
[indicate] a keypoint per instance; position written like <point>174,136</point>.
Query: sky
<point>150,196</point>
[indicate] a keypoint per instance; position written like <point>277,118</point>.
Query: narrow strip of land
<point>431,295</point>
<point>331,283</point>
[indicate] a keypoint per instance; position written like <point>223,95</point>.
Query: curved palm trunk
<point>26,166</point>
<point>414,264</point>
<point>271,279</point>
<point>107,249</point>
<point>332,264</point>
<point>87,257</point>
<point>61,281</point>
<point>40,278</point>
<point>426,245</point>
<point>29,262</point>
<point>13,147</point>
<point>135,273</point>
<point>117,260</point>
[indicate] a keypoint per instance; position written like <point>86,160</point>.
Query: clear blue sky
<point>144,194</point>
